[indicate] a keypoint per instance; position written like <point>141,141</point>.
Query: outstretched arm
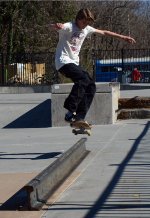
<point>116,35</point>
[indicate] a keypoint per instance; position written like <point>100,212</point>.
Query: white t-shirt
<point>71,39</point>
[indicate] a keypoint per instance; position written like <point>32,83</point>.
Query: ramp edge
<point>48,181</point>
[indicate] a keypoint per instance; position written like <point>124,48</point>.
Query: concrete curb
<point>136,102</point>
<point>45,184</point>
<point>25,89</point>
<point>132,86</point>
<point>138,113</point>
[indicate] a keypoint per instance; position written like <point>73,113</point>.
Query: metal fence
<point>35,68</point>
<point>118,65</point>
<point>103,65</point>
<point>28,69</point>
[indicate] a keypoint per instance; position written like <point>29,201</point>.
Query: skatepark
<point>112,180</point>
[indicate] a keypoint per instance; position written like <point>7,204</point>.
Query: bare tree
<point>25,24</point>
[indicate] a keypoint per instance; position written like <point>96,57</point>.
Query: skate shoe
<point>70,116</point>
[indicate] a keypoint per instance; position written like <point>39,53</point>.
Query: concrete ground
<point>113,180</point>
<point>133,93</point>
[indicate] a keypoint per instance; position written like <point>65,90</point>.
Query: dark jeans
<point>83,90</point>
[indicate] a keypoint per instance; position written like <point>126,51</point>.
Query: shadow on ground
<point>126,192</point>
<point>38,117</point>
<point>25,156</point>
<point>19,201</point>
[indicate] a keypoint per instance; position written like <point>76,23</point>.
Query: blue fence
<point>118,65</point>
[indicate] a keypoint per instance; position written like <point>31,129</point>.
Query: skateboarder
<point>71,38</point>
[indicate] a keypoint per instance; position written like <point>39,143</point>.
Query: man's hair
<point>85,13</point>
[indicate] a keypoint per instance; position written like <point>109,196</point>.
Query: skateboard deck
<point>81,127</point>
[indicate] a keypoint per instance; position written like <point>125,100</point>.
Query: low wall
<point>24,89</point>
<point>103,109</point>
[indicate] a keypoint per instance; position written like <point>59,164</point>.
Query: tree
<point>25,24</point>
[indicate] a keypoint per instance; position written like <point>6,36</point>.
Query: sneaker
<point>70,116</point>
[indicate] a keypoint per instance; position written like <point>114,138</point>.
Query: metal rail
<point>45,184</point>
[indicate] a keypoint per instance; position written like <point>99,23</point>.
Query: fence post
<point>94,57</point>
<point>3,69</point>
<point>94,63</point>
<point>122,58</point>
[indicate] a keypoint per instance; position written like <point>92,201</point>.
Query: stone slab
<point>100,88</point>
<point>24,89</point>
<point>103,108</point>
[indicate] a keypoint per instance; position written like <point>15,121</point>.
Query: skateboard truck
<point>81,127</point>
<point>81,131</point>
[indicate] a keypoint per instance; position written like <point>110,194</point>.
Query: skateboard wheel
<point>74,132</point>
<point>89,133</point>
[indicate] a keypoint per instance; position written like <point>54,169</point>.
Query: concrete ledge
<point>45,184</point>
<point>137,113</point>
<point>136,102</point>
<point>134,86</point>
<point>24,89</point>
<point>103,108</point>
<point>100,88</point>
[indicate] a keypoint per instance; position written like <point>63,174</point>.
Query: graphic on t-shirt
<point>76,41</point>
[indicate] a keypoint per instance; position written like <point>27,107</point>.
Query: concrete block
<point>24,89</point>
<point>103,109</point>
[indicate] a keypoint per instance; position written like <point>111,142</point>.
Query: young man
<point>71,37</point>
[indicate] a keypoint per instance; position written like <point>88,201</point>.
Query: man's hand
<point>57,26</point>
<point>129,39</point>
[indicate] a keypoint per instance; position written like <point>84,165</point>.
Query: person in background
<point>136,75</point>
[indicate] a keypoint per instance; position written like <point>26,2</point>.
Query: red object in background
<point>136,75</point>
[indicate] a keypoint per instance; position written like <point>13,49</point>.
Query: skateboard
<point>81,127</point>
